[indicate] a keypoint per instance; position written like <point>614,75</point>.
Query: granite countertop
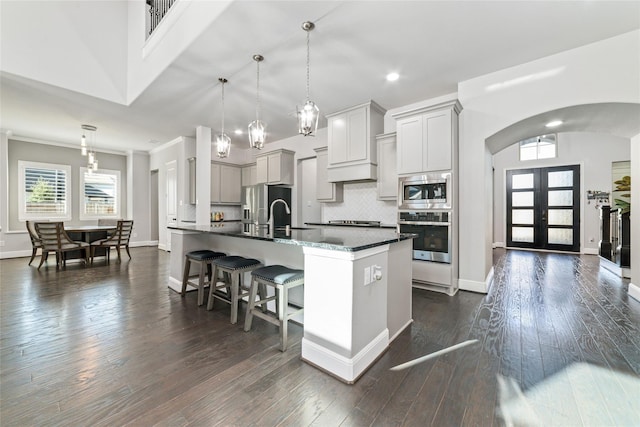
<point>329,224</point>
<point>351,239</point>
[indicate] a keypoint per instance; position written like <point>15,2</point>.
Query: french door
<point>543,208</point>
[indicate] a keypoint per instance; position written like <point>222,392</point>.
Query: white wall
<point>592,151</point>
<point>76,45</point>
<point>148,58</point>
<point>606,71</point>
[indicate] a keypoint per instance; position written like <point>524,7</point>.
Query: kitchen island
<point>357,290</point>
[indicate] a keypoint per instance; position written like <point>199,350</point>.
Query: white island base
<point>349,313</point>
<point>355,301</point>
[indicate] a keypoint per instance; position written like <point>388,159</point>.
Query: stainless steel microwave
<point>426,191</point>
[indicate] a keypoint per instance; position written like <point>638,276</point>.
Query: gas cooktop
<point>355,222</point>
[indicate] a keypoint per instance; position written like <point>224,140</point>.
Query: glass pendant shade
<point>94,166</point>
<point>223,145</point>
<point>257,134</point>
<point>92,158</point>
<point>87,149</point>
<point>223,142</point>
<point>308,118</point>
<point>83,150</point>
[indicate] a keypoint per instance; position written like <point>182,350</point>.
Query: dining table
<point>88,234</point>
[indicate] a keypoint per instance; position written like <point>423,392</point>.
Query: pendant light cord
<point>258,91</point>
<point>307,65</point>
<point>222,108</point>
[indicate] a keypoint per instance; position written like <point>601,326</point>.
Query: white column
<point>203,175</point>
<point>634,286</point>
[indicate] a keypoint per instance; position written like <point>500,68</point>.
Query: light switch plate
<point>367,275</point>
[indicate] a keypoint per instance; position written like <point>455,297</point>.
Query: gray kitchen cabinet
<point>226,186</point>
<point>427,138</point>
<point>249,175</point>
<point>351,142</point>
<point>326,191</point>
<point>275,167</point>
<point>387,168</point>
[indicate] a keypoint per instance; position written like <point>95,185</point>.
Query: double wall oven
<point>425,209</point>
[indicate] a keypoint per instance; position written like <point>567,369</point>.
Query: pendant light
<point>309,114</point>
<point>87,149</point>
<point>223,142</point>
<point>257,128</point>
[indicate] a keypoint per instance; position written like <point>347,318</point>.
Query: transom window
<point>44,191</point>
<point>539,147</point>
<point>99,194</point>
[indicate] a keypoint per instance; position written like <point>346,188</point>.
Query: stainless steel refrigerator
<point>257,200</point>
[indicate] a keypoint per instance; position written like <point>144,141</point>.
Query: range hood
<point>352,147</point>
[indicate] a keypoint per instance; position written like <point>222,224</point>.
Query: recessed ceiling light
<point>238,132</point>
<point>554,123</point>
<point>392,77</point>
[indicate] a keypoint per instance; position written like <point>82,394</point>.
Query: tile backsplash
<point>360,203</point>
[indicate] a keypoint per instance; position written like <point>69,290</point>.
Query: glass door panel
<point>543,208</point>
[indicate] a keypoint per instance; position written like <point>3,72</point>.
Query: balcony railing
<point>157,10</point>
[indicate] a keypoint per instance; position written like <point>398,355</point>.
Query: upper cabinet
<point>226,186</point>
<point>275,167</point>
<point>325,191</point>
<point>427,138</point>
<point>352,144</point>
<point>387,169</point>
<point>249,175</point>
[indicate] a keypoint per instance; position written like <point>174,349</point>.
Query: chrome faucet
<point>271,226</point>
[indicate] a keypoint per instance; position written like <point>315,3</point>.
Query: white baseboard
<point>27,253</point>
<point>162,246</point>
<point>591,251</point>
<point>476,286</point>
<point>634,291</point>
<point>143,243</point>
<point>346,369</point>
<point>498,245</point>
<point>615,268</point>
<point>16,254</point>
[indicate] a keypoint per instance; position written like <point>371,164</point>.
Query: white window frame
<point>23,215</point>
<point>542,139</point>
<point>118,196</point>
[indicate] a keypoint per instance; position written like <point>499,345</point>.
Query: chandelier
<point>257,128</point>
<point>87,146</point>
<point>309,114</point>
<point>223,142</point>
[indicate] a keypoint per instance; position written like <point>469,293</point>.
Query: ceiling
<point>433,45</point>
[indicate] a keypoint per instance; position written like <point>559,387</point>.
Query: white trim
<point>162,247</point>
<point>118,197</point>
<point>346,369</point>
<point>405,326</point>
<point>615,268</point>
<point>476,286</point>
<point>16,254</point>
<point>22,214</point>
<point>344,255</point>
<point>634,292</point>
<point>591,251</point>
<point>498,245</point>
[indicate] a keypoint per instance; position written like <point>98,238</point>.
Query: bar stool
<point>281,279</point>
<point>234,267</point>
<point>203,258</point>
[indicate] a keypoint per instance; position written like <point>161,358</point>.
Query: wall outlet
<point>367,275</point>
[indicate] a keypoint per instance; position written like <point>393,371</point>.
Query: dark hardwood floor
<point>559,343</point>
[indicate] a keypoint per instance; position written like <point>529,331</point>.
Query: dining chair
<point>55,239</point>
<point>36,243</point>
<point>108,221</point>
<point>119,239</point>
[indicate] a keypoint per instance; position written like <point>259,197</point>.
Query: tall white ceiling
<point>433,45</point>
